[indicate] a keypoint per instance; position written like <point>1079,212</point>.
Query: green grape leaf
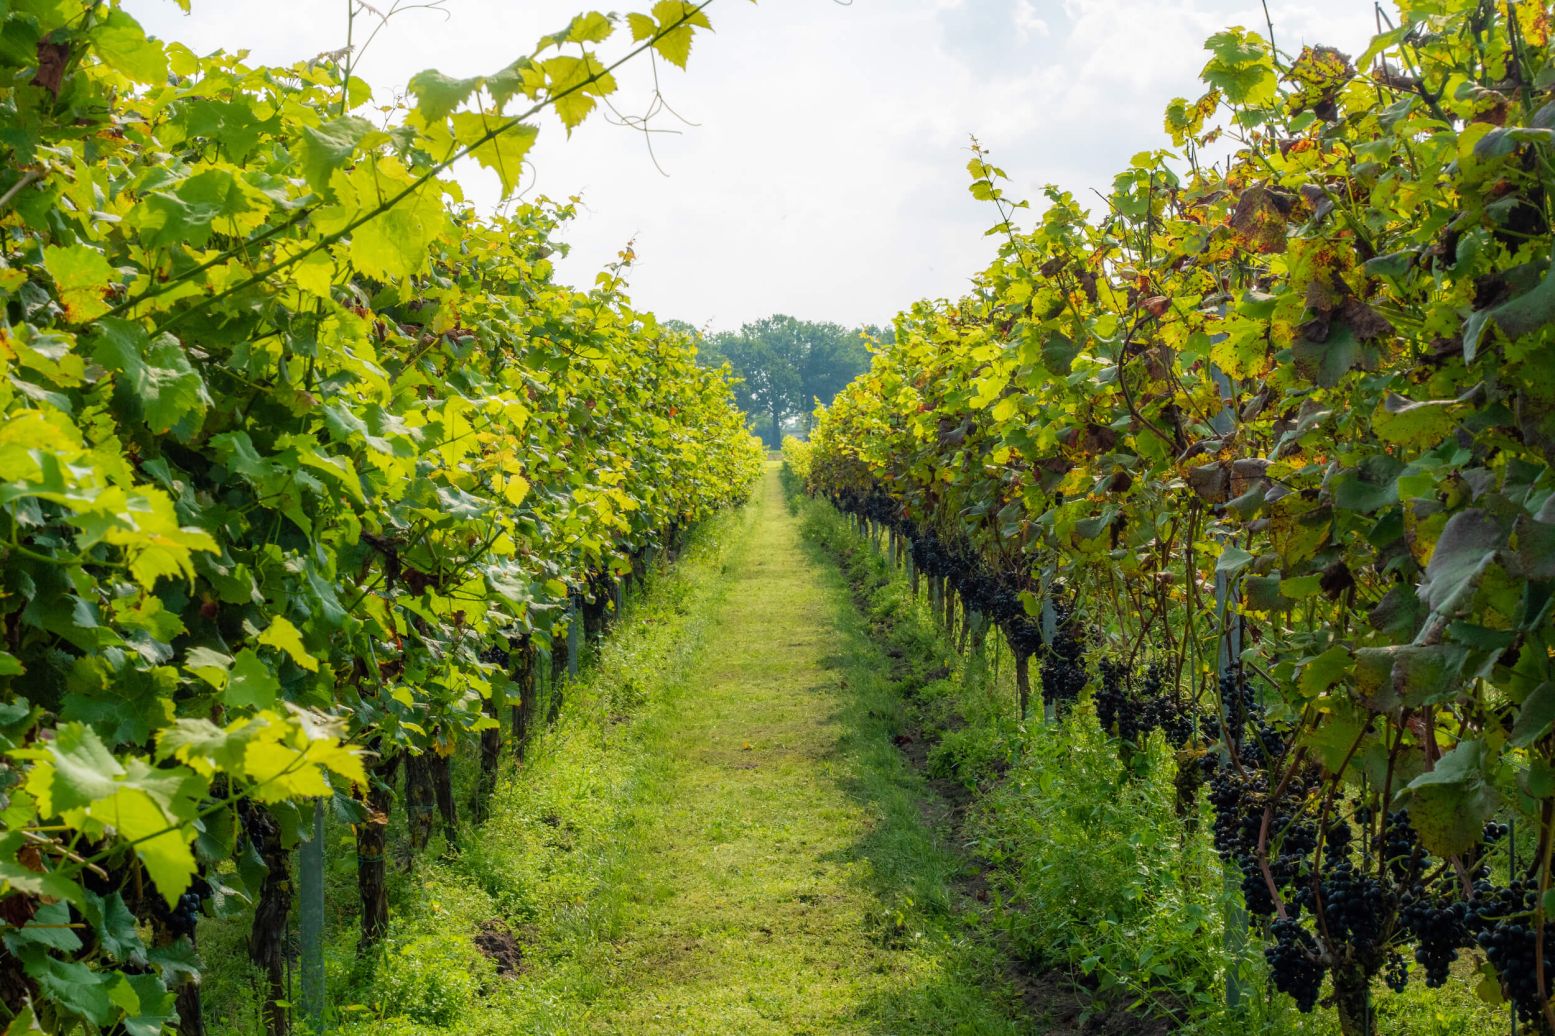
<point>73,986</point>
<point>1368,488</point>
<point>675,43</point>
<point>438,95</point>
<point>157,375</point>
<point>209,665</point>
<point>1232,560</point>
<point>328,147</point>
<point>81,770</point>
<point>592,27</point>
<point>283,635</point>
<point>503,153</point>
<point>1535,716</point>
<point>115,926</point>
<point>1241,67</point>
<point>147,1003</point>
<point>575,84</point>
<point>50,928</point>
<point>250,683</point>
<point>393,245</point>
<point>1469,544</point>
<point>155,814</point>
<point>1449,805</point>
<point>122,44</point>
<point>84,277</point>
<point>1322,672</point>
<point>1401,421</point>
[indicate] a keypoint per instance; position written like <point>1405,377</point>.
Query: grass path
<point>749,852</point>
<point>787,882</point>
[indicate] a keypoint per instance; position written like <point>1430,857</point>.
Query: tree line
<point>786,365</point>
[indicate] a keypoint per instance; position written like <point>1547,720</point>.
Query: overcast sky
<point>825,174</point>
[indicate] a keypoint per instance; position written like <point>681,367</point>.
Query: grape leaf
<point>83,276</point>
<point>122,44</point>
<point>250,683</point>
<point>437,95</point>
<point>282,634</point>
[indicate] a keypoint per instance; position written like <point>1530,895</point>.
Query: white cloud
<point>825,175</point>
<point>1028,23</point>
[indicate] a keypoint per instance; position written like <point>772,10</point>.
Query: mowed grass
<point>721,837</point>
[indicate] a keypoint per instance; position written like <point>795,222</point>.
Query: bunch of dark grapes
<point>1063,673</point>
<point>1440,929</point>
<point>1355,906</point>
<point>1168,712</point>
<point>928,555</point>
<point>1502,919</point>
<point>1295,966</point>
<point>1234,794</point>
<point>1112,706</point>
<point>1267,745</point>
<point>186,916</point>
<point>1134,717</point>
<point>1336,842</point>
<point>1396,972</point>
<point>1401,848</point>
<point>1240,704</point>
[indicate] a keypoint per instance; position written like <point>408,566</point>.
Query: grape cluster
<point>1503,922</point>
<point>1063,671</point>
<point>1355,908</point>
<point>1240,704</point>
<point>1239,798</point>
<point>929,555</point>
<point>1439,927</point>
<point>1295,965</point>
<point>1337,841</point>
<point>1396,972</point>
<point>1401,848</point>
<point>186,915</point>
<point>183,917</point>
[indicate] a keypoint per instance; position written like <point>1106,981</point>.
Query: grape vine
<point>303,464</point>
<point>1308,380</point>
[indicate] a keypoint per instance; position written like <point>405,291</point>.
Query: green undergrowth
<point>540,883</point>
<point>1094,875</point>
<point>536,865</point>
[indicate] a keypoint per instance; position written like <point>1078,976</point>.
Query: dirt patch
<point>497,941</point>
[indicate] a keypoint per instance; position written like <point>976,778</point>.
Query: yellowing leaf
<point>283,635</point>
<point>83,276</point>
<point>281,772</point>
<point>161,840</point>
<point>514,489</point>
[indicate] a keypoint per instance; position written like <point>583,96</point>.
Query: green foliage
<point>1317,371</point>
<point>430,980</point>
<point>294,446</point>
<point>1095,875</point>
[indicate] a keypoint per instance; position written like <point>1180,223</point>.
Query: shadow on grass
<point>920,883</point>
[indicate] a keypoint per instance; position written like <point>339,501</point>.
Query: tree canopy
<point>785,365</point>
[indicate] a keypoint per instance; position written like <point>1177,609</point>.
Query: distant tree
<point>786,365</point>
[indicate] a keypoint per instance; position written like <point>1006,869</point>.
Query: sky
<point>821,167</point>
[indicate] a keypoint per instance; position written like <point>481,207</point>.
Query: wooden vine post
<point>1227,659</point>
<point>310,916</point>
